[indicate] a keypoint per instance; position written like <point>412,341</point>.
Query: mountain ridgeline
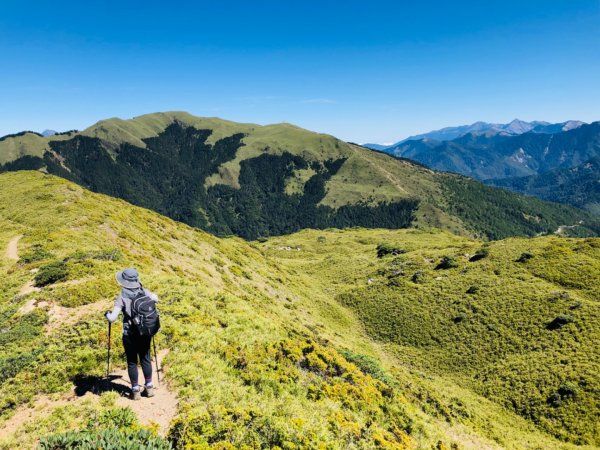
<point>256,181</point>
<point>168,177</point>
<point>496,155</point>
<point>513,128</point>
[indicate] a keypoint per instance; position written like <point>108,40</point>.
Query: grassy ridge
<point>262,353</point>
<point>223,302</point>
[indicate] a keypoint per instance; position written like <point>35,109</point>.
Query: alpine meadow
<point>300,225</point>
<point>412,338</point>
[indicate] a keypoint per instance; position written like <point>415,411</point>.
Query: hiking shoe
<point>149,391</point>
<point>136,395</point>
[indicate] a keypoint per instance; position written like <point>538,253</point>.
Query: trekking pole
<point>156,360</point>
<point>108,358</point>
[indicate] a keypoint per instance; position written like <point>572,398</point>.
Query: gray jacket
<point>123,303</point>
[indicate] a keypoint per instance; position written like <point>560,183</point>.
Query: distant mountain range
<point>485,156</point>
<point>550,161</point>
<point>513,128</point>
<point>255,181</point>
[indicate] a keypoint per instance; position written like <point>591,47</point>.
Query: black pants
<point>138,347</point>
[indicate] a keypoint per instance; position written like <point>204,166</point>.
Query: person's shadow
<point>98,385</point>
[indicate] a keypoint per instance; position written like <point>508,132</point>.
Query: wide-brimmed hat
<point>129,278</point>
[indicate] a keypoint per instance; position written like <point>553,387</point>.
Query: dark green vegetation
<point>115,428</point>
<point>255,181</point>
<point>51,273</point>
<point>168,176</point>
<point>578,186</point>
<point>498,214</point>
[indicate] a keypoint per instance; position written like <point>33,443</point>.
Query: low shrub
<point>122,418</point>
<point>575,305</point>
<point>368,365</point>
<point>107,254</point>
<point>355,382</point>
<point>388,249</point>
<point>559,322</point>
<point>480,254</point>
<point>473,290</point>
<point>459,318</point>
<point>418,277</point>
<point>51,273</point>
<point>559,295</point>
<point>105,439</point>
<point>525,256</point>
<point>12,365</point>
<point>34,254</point>
<point>447,262</point>
<point>25,329</point>
<point>115,428</point>
<point>565,392</point>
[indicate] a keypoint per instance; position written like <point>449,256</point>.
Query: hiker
<point>136,339</point>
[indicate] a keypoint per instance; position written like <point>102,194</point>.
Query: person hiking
<point>136,343</point>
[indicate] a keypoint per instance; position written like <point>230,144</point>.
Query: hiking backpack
<point>144,315</point>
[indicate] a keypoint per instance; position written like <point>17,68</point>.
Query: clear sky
<point>365,71</point>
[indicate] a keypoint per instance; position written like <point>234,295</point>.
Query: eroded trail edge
<point>12,250</point>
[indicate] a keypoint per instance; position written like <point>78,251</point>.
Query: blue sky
<point>364,71</point>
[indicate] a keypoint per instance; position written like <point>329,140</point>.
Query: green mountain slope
<point>514,321</point>
<point>303,341</point>
<point>254,181</point>
<point>578,186</point>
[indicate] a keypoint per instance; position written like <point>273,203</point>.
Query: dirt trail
<point>28,288</point>
<point>562,228</point>
<point>159,409</point>
<point>61,316</point>
<point>12,251</point>
<point>385,173</point>
<point>43,406</point>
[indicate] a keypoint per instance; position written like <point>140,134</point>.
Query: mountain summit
<point>255,181</point>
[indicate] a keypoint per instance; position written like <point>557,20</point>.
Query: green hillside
<point>320,339</point>
<point>256,181</point>
<point>578,186</point>
<point>513,320</point>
